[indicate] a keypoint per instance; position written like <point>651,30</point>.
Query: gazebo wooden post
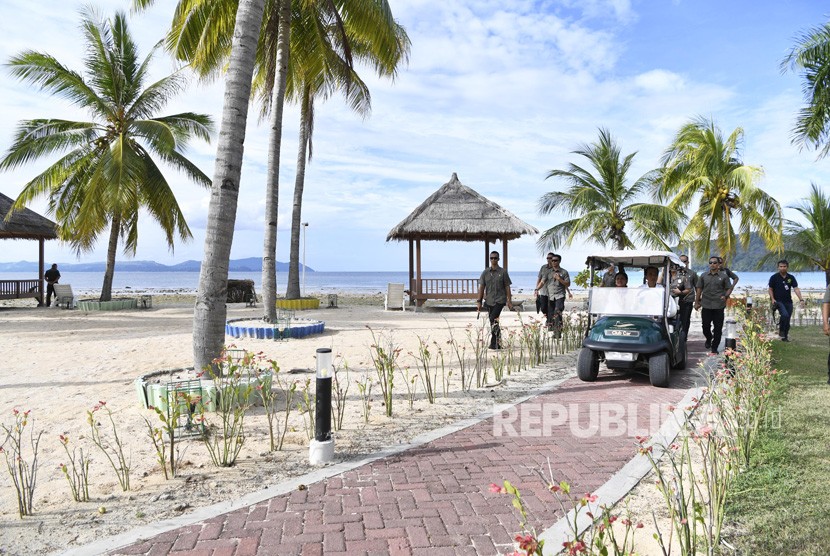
<point>504,252</point>
<point>486,252</point>
<point>411,272</point>
<point>418,301</point>
<point>41,261</point>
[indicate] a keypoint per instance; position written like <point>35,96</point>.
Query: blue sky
<point>499,92</point>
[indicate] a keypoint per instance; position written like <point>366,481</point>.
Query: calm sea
<point>339,282</point>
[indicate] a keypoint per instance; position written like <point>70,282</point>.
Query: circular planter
<point>153,388</point>
<point>302,304</point>
<point>114,305</point>
<point>246,328</point>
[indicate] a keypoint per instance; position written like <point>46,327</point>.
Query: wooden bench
<point>444,288</point>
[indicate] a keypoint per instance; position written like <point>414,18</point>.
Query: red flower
<point>497,489</point>
<point>590,497</point>
<point>527,543</point>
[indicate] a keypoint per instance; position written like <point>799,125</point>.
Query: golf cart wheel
<point>681,358</point>
<point>658,369</point>
<point>587,365</point>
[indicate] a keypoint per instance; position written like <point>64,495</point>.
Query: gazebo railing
<point>18,289</point>
<point>445,288</point>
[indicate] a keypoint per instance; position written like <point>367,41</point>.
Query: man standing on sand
<point>494,290</point>
<point>542,301</point>
<point>825,318</point>
<point>781,285</point>
<point>52,276</point>
<point>556,282</point>
<point>712,289</point>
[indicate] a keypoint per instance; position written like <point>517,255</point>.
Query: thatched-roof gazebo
<point>24,224</point>
<point>455,213</point>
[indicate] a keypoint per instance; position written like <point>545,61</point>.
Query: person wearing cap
<point>494,292</point>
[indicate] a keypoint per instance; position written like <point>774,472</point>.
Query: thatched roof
<point>457,213</point>
<point>24,223</point>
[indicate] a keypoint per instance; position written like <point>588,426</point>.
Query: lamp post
<point>305,226</point>
<point>321,449</point>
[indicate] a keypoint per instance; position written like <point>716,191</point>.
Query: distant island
<point>251,264</point>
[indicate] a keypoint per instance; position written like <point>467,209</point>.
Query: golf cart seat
<point>642,302</point>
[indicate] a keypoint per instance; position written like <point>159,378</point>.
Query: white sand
<point>59,364</point>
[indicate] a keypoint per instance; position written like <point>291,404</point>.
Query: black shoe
<point>828,379</point>
<point>785,339</point>
<point>708,344</point>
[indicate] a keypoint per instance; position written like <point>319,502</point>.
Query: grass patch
<point>782,503</point>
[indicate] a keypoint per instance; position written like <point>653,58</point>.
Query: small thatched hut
<point>455,213</point>
<point>24,224</point>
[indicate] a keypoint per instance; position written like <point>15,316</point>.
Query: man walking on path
<point>494,290</point>
<point>683,286</point>
<point>556,282</point>
<point>52,276</point>
<point>712,290</point>
<point>781,285</point>
<point>542,301</point>
<point>825,319</point>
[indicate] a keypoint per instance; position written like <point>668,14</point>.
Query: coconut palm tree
<point>811,56</point>
<point>702,168</point>
<point>294,39</point>
<point>106,172</point>
<point>807,247</point>
<point>331,71</point>
<point>211,310</point>
<point>603,204</point>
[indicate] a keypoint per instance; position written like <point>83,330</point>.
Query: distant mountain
<point>746,260</point>
<point>251,264</point>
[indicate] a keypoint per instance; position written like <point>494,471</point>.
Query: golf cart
<point>633,327</point>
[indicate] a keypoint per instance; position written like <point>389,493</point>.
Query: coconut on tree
<point>604,206</point>
<point>703,175</point>
<point>106,172</point>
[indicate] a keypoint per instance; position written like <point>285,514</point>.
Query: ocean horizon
<point>320,282</point>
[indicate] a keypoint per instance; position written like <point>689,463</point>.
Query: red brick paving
<point>434,499</point>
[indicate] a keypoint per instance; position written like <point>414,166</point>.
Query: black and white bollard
<point>321,449</point>
<point>748,304</point>
<point>731,334</point>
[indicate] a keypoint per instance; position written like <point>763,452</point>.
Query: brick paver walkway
<point>434,499</point>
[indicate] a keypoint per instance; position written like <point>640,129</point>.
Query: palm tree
<point>106,173</point>
<point>811,55</point>
<point>331,71</point>
<point>808,246</point>
<point>602,203</point>
<point>294,39</point>
<point>703,168</point>
<point>211,309</point>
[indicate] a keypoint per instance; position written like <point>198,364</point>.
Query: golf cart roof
<point>633,258</point>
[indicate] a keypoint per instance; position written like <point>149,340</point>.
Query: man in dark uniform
<point>781,285</point>
<point>52,276</point>
<point>494,291</point>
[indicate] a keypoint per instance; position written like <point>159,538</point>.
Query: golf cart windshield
<point>636,302</point>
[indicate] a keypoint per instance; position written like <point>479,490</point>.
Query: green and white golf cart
<point>634,327</point>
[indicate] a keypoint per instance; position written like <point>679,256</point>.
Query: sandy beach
<point>59,364</point>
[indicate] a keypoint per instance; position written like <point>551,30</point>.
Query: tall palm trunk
<point>293,289</point>
<point>211,309</point>
<point>112,249</point>
<point>272,186</point>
